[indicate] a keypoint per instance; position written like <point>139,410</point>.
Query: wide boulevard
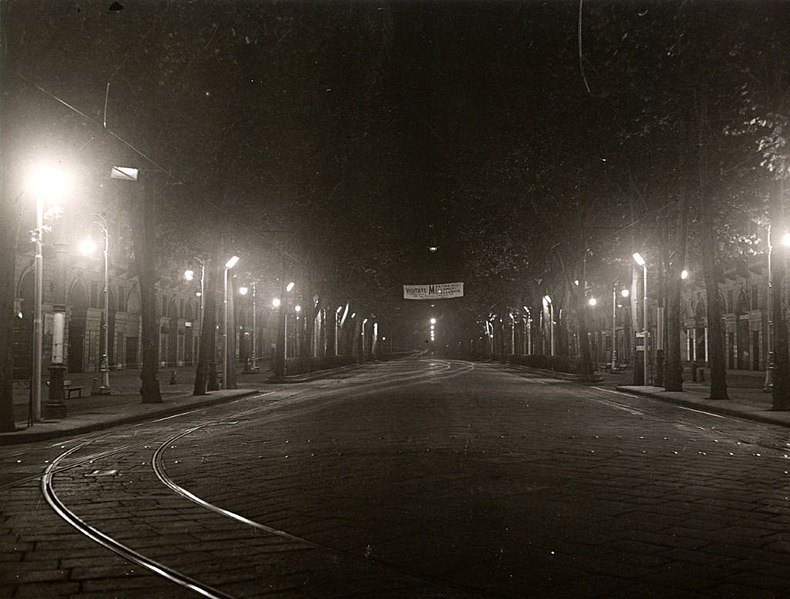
<point>423,477</point>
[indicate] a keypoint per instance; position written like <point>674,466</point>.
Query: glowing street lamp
<point>87,247</point>
<point>288,289</point>
<point>228,265</point>
<point>641,262</point>
<point>44,184</point>
<point>547,304</point>
<point>623,293</point>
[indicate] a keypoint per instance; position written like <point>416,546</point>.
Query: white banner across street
<point>433,292</point>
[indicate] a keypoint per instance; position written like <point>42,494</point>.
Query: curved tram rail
<point>436,369</point>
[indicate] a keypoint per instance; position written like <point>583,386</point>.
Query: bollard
<point>173,380</point>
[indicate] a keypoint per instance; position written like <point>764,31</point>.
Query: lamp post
<point>288,290</point>
<point>641,262</point>
<point>768,384</point>
<point>550,306</point>
<point>250,364</point>
<point>337,330</point>
<point>297,332</point>
<point>228,265</point>
<point>189,275</point>
<point>87,247</point>
<point>43,183</point>
<point>623,293</point>
<point>38,292</point>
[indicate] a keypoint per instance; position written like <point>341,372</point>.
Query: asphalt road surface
<point>416,478</point>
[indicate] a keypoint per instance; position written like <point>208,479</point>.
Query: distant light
<point>339,308</point>
<point>786,239</point>
<point>383,338</point>
<point>592,301</point>
<point>87,247</point>
<point>298,308</point>
<point>432,248</point>
<point>243,290</point>
<point>189,274</point>
<point>290,286</point>
<point>353,314</point>
<point>198,294</point>
<point>625,292</point>
<point>684,274</point>
<point>433,326</point>
<point>232,262</point>
<point>638,259</point>
<point>276,302</point>
<point>433,321</point>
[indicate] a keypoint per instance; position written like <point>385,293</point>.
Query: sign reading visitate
<point>433,292</point>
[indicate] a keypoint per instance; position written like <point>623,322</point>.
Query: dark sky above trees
<point>374,129</point>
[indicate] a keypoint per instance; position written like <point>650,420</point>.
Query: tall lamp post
<point>288,290</point>
<point>623,293</point>
<point>547,304</point>
<point>228,265</point>
<point>88,247</point>
<point>43,183</point>
<point>251,359</point>
<point>189,275</point>
<point>641,262</point>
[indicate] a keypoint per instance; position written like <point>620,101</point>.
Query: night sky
<point>370,130</point>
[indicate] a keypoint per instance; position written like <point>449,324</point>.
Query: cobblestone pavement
<point>413,479</point>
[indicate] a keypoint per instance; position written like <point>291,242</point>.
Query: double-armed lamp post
<point>87,247</point>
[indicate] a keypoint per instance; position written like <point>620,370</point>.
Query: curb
<point>714,406</point>
<point>32,436</point>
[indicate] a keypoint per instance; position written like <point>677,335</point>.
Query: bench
<point>68,389</point>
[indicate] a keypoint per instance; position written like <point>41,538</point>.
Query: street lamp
<point>623,293</point>
<point>88,247</point>
<point>189,275</point>
<point>228,265</point>
<point>43,183</point>
<point>528,336</point>
<point>641,262</point>
<point>288,289</point>
<point>768,384</point>
<point>548,305</point>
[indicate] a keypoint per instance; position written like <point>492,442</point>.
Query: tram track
<point>436,370</point>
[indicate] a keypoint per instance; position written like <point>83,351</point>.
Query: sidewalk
<point>95,412</point>
<point>744,389</point>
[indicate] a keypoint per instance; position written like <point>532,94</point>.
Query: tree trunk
<point>8,237</point>
<point>710,266</point>
<point>145,255</point>
<point>673,379</point>
<point>7,257</point>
